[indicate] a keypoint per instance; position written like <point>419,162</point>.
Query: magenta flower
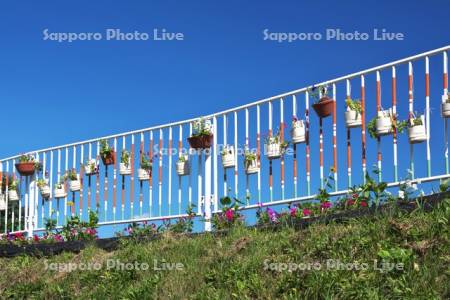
<point>325,205</point>
<point>293,211</point>
<point>229,214</point>
<point>306,212</point>
<point>363,204</point>
<point>350,202</point>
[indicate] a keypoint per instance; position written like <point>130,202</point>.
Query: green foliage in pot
<point>125,158</point>
<point>105,149</point>
<point>354,105</point>
<point>146,163</point>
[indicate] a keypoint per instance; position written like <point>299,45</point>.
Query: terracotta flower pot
<point>324,107</point>
<point>26,168</point>
<point>201,142</point>
<point>109,159</point>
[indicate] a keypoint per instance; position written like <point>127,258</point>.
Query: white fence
<point>419,82</point>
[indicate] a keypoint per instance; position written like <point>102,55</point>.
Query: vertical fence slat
<point>335,168</point>
<point>225,185</point>
<point>161,137</point>
<point>258,148</point>
<point>150,183</point>
<point>410,115</point>
<point>169,192</point>
<point>282,139</point>
<point>363,126</point>
<point>378,96</point>
<point>295,172</point>
<point>349,147</point>
<point>236,178</point>
<point>394,112</point>
<point>270,161</point>
<point>307,151</point>
<point>445,84</point>
<point>216,166</point>
<point>427,110</point>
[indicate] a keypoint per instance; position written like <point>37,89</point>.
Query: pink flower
<point>293,211</point>
<point>273,216</point>
<point>229,214</point>
<point>350,202</point>
<point>363,203</point>
<point>36,238</point>
<point>306,212</point>
<point>325,205</point>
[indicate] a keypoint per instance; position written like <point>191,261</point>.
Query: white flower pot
<point>124,169</point>
<point>352,119</point>
<point>445,110</point>
<point>45,191</point>
<point>183,168</point>
<point>2,202</point>
<point>384,123</point>
<point>298,132</point>
<point>417,134</point>
<point>74,185</point>
<point>13,195</point>
<point>228,158</point>
<point>252,167</point>
<point>89,168</point>
<point>273,150</point>
<point>143,174</point>
<point>60,192</point>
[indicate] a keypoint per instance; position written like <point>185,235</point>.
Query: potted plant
<point>107,153</point>
<point>27,165</point>
<point>125,165</point>
<point>298,132</point>
<point>183,165</point>
<point>74,181</point>
<point>385,123</point>
<point>353,113</point>
<point>44,188</point>
<point>90,167</point>
<point>324,104</point>
<point>13,187</point>
<point>2,202</point>
<point>60,189</point>
<point>202,136</point>
<point>446,105</point>
<point>250,162</point>
<point>416,129</point>
<point>274,147</point>
<point>228,157</point>
<point>145,169</point>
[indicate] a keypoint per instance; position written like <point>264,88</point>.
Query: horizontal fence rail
<point>153,174</point>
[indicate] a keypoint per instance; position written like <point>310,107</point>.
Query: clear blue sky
<point>55,93</point>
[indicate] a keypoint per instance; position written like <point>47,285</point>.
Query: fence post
<point>31,204</point>
<point>207,198</point>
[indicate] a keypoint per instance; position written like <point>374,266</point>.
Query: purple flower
<point>273,216</point>
<point>293,211</point>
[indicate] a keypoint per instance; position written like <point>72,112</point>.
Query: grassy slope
<point>233,265</point>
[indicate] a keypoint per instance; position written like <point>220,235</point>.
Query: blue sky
<point>55,93</point>
<point>71,91</point>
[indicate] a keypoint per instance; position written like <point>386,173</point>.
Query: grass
<point>234,265</point>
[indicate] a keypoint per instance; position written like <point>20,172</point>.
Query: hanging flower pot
<point>273,150</point>
<point>182,166</point>
<point>228,157</point>
<point>353,113</point>
<point>44,189</point>
<point>202,137</point>
<point>2,202</point>
<point>107,153</point>
<point>145,170</point>
<point>324,107</point>
<point>298,132</point>
<point>13,186</point>
<point>74,181</point>
<point>274,147</point>
<point>201,142</point>
<point>251,167</point>
<point>90,167</point>
<point>60,191</point>
<point>250,162</point>
<point>384,123</point>
<point>445,106</point>
<point>125,165</point>
<point>27,165</point>
<point>13,195</point>
<point>144,174</point>
<point>416,130</point>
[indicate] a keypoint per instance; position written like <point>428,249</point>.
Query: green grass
<point>233,265</point>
